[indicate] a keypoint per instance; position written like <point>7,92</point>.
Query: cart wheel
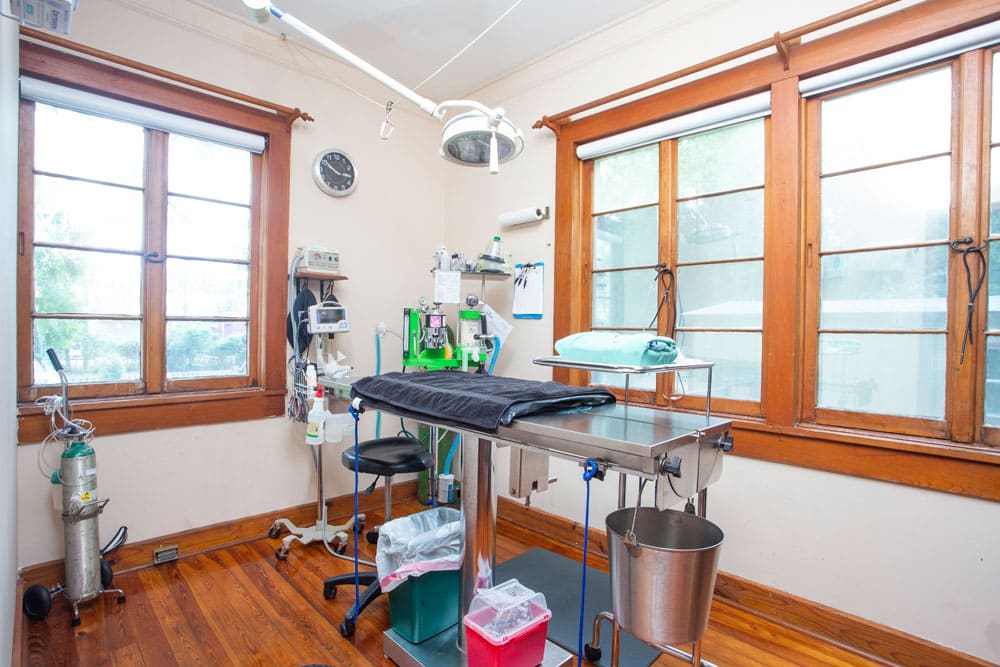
<point>340,548</point>
<point>372,536</point>
<point>107,575</point>
<point>361,522</point>
<point>281,553</point>
<point>329,590</point>
<point>591,654</point>
<point>36,602</point>
<point>274,531</point>
<point>346,628</point>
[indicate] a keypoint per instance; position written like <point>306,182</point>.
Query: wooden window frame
<point>178,403</point>
<point>780,434</point>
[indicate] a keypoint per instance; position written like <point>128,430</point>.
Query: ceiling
<point>409,39</point>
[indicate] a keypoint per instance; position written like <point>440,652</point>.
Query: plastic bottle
<point>316,419</point>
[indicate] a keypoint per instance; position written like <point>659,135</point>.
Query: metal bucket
<point>662,583</point>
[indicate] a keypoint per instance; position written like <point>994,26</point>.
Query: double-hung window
<point>146,241</point>
<point>677,248</point>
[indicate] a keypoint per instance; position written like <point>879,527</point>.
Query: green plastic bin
<point>423,606</point>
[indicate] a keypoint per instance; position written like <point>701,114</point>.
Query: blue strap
<point>589,470</point>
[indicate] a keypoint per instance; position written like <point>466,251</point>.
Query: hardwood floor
<point>240,606</point>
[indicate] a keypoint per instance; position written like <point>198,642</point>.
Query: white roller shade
<point>77,100</point>
<point>938,49</point>
<point>746,108</point>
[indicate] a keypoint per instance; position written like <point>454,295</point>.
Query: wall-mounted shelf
<point>318,275</point>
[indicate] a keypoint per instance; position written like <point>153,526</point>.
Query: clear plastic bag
<point>413,545</point>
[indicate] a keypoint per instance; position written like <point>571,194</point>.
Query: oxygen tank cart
<point>88,575</point>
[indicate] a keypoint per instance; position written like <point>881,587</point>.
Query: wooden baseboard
<point>137,555</point>
<point>853,633</point>
<point>15,656</point>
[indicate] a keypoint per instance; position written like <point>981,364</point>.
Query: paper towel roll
<point>523,216</point>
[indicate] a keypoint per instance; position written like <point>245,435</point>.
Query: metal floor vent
<point>166,554</point>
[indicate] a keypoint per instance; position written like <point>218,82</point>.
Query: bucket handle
<point>630,540</point>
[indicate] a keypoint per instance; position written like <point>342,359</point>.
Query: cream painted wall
<point>164,481</point>
<point>923,562</point>
<point>8,419</point>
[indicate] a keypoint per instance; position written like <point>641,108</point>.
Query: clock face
<point>334,173</point>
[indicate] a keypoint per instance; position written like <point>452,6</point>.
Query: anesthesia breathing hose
<point>589,470</point>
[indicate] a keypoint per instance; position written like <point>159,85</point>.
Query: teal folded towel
<point>639,349</point>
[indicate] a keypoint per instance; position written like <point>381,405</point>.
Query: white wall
<point>923,562</point>
<point>8,420</point>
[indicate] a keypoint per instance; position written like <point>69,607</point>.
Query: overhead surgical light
<point>476,138</point>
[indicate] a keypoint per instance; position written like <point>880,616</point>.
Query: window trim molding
<point>135,413</point>
<point>941,465</point>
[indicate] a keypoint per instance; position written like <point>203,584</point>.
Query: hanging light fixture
<point>479,137</point>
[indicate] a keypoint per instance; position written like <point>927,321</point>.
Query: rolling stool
<point>384,457</point>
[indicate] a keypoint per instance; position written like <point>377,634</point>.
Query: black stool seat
<point>388,456</point>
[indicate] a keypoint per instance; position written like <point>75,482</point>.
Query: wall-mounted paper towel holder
<point>523,216</point>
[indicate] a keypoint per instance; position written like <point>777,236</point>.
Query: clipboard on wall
<point>529,290</point>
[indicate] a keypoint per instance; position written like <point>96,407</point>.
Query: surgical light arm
<point>494,117</point>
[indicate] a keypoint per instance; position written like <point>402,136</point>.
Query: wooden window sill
<point>144,413</point>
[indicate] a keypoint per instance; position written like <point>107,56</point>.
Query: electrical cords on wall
<point>974,289</point>
<point>589,471</point>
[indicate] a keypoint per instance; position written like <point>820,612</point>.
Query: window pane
<point>901,374</point>
<point>76,281</point>
<point>77,144</point>
<point>86,214</point>
<point>625,239</point>
<point>992,288</point>
<point>90,350</point>
<point>627,179</point>
<point>724,159</point>
<point>206,229</point>
<point>890,289</point>
<point>624,298</point>
<point>899,120</point>
<point>720,295</point>
<point>724,227</point>
<point>205,169</point>
<point>206,289</point>
<point>907,203</point>
<point>995,125</point>
<point>992,394</point>
<point>737,364</point>
<point>995,187</point>
<point>206,349</point>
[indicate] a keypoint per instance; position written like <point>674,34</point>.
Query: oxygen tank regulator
<point>87,574</point>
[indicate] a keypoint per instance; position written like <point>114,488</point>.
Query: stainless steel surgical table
<point>681,452</point>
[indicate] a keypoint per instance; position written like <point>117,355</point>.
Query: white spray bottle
<point>316,419</point>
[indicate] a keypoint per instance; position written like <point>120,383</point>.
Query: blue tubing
<point>357,586</point>
<point>451,454</point>
<point>496,353</point>
<point>589,470</point>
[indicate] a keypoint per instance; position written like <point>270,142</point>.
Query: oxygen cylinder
<point>78,474</point>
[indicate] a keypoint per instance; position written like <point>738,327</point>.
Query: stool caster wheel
<point>591,654</point>
<point>36,602</point>
<point>346,628</point>
<point>281,553</point>
<point>76,621</point>
<point>274,531</point>
<point>329,591</point>
<point>121,599</point>
<point>372,537</point>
